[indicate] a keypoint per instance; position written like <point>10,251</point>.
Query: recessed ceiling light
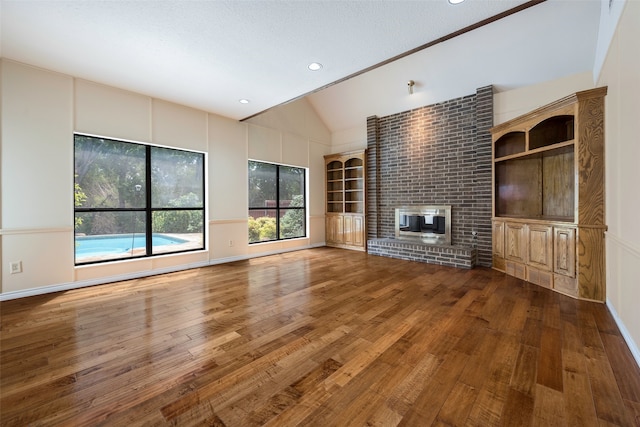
<point>455,1</point>
<point>315,66</point>
<point>243,101</point>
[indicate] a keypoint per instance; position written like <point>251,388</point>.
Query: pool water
<point>119,243</point>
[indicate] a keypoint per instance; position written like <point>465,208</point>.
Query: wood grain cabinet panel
<point>540,246</point>
<point>548,189</point>
<point>498,238</point>
<point>564,251</point>
<point>357,231</point>
<point>497,232</point>
<point>348,229</point>
<point>516,269</point>
<point>540,277</point>
<point>335,229</point>
<point>590,262</point>
<point>514,242</point>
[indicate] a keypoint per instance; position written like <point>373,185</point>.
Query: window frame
<point>148,210</point>
<point>279,208</point>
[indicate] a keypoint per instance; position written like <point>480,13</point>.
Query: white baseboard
<point>99,281</point>
<point>137,275</point>
<point>625,333</point>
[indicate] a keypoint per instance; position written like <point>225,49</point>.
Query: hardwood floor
<point>317,338</point>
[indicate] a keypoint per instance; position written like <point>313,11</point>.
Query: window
<point>135,200</point>
<point>277,202</point>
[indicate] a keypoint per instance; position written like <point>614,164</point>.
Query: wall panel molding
<point>18,231</point>
<point>624,244</point>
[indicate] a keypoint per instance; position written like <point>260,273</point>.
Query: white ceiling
<point>210,54</point>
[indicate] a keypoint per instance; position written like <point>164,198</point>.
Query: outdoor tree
<point>113,174</point>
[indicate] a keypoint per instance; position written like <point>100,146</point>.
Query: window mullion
<point>277,202</point>
<point>149,216</point>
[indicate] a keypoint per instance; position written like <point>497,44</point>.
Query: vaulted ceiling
<point>211,54</point>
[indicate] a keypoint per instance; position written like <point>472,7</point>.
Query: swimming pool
<point>113,244</point>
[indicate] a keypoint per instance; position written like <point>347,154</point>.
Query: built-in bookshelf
<point>345,198</point>
<point>548,196</point>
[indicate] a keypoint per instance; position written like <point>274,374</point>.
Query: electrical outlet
<point>230,243</point>
<point>15,267</point>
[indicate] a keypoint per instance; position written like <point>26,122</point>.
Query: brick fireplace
<point>434,155</point>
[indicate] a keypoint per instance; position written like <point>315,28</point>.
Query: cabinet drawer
<point>540,277</point>
<point>566,285</point>
<point>515,269</point>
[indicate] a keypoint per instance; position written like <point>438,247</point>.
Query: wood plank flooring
<point>321,337</point>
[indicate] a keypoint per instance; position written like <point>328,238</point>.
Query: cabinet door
<point>564,251</point>
<point>329,231</point>
<point>540,246</point>
<point>358,230</point>
<point>335,230</point>
<point>354,230</point>
<point>514,241</point>
<point>348,230</point>
<point>498,238</point>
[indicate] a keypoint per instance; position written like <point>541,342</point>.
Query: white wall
<point>293,134</point>
<point>513,103</point>
<point>621,73</point>
<point>41,110</point>
<point>350,139</point>
<point>37,124</point>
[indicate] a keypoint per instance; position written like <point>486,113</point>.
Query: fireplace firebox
<point>426,224</point>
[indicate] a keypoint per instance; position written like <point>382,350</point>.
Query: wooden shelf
<point>510,143</point>
<point>543,218</point>
<point>536,151</point>
<point>551,131</point>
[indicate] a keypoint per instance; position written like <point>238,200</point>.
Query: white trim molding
<point>137,275</point>
<point>17,231</point>
<point>624,244</point>
<point>99,281</point>
<point>634,251</point>
<point>633,347</point>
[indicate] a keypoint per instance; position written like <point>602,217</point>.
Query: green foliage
<point>104,223</point>
<point>186,200</point>
<point>262,229</point>
<point>79,198</point>
<point>292,223</point>
<point>179,221</point>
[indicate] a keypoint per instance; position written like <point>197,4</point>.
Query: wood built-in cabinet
<point>345,213</point>
<point>548,196</point>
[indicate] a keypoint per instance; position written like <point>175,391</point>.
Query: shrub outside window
<point>135,200</point>
<point>277,202</point>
